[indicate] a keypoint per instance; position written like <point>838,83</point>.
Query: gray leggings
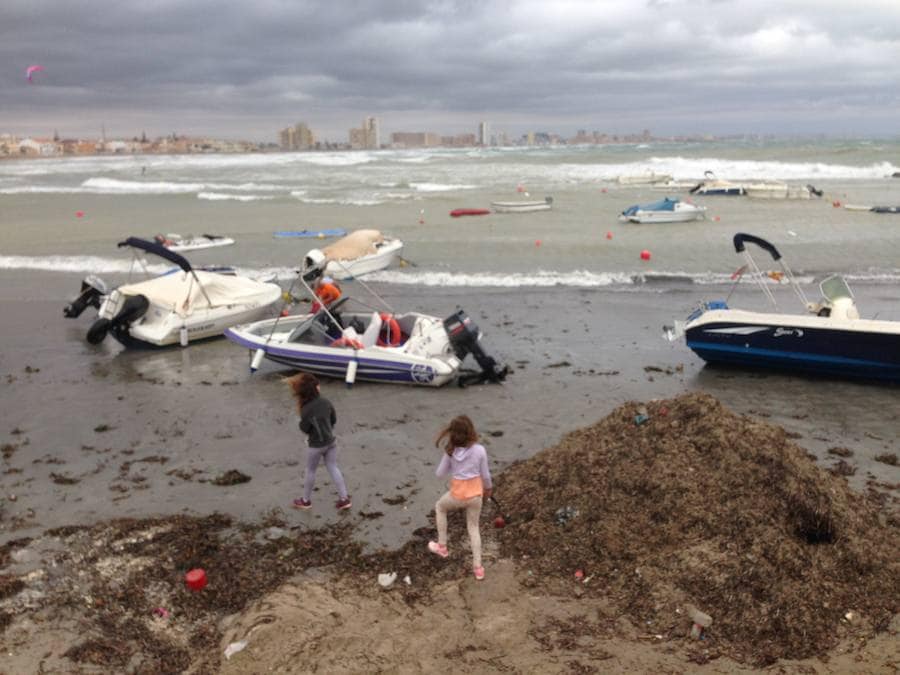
<point>313,455</point>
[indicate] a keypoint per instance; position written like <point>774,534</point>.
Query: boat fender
<point>347,342</point>
<point>390,331</point>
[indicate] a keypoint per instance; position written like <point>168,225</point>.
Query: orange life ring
<point>389,336</point>
<point>347,342</point>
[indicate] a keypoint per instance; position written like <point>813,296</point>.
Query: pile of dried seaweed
<point>683,502</point>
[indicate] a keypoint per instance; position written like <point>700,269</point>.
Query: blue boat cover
<point>665,204</point>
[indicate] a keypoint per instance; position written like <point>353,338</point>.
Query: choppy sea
<point>66,215</point>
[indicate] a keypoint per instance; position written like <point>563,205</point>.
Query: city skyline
<point>239,71</point>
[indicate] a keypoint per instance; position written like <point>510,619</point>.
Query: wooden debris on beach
<point>699,505</point>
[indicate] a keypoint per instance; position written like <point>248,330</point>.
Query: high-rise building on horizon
<point>366,137</point>
<point>297,137</point>
<point>483,137</point>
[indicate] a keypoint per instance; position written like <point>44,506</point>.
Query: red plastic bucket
<point>195,579</point>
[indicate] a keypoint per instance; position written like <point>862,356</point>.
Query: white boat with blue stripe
<point>355,340</point>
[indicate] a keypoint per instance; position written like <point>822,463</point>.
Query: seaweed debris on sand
<point>692,505</point>
<point>700,506</point>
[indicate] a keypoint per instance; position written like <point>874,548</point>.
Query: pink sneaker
<point>302,504</point>
<point>479,573</point>
<point>438,549</point>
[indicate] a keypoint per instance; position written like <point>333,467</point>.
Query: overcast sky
<point>244,69</point>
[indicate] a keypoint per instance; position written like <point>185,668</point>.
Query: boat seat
<point>370,335</point>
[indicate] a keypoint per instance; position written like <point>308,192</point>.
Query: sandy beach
<point>96,434</point>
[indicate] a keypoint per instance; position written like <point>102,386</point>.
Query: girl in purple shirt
<point>466,462</point>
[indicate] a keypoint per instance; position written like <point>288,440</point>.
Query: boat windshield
<point>834,287</point>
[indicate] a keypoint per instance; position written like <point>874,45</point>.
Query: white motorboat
<point>715,186</point>
<point>780,190</point>
<point>362,343</point>
<point>522,206</point>
<point>175,242</point>
<point>829,337</point>
<point>648,178</point>
<point>360,252</point>
<point>181,306</point>
<point>664,211</point>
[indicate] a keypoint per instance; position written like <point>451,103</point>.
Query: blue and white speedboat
<point>664,211</point>
<point>363,343</point>
<point>830,338</point>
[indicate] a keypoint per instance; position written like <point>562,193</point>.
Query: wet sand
<point>98,432</point>
<point>93,433</point>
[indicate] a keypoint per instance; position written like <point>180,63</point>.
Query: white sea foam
<point>117,186</point>
<point>220,196</point>
<point>439,187</point>
<point>81,264</point>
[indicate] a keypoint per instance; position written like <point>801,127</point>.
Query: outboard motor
<point>133,309</point>
<point>92,291</point>
<point>813,191</point>
<point>464,336</point>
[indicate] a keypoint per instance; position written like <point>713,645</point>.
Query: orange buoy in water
<point>645,255</point>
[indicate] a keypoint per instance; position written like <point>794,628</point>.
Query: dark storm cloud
<point>247,68</point>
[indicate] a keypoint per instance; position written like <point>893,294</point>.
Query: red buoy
<point>196,579</point>
<point>645,255</point>
<point>537,242</point>
<point>79,214</point>
<point>609,235</point>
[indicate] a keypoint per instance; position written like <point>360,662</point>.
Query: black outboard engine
<point>464,336</point>
<point>133,309</point>
<point>92,291</point>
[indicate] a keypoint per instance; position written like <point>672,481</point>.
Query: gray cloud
<point>243,69</point>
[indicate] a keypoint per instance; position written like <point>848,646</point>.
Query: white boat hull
<point>679,215</point>
<point>425,358</point>
<point>522,207</point>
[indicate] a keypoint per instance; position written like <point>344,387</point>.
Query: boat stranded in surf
<point>183,305</point>
<point>714,186</point>
<point>360,252</point>
<point>175,242</point>
<point>664,211</point>
<point>364,343</point>
<point>523,206</point>
<point>829,338</point>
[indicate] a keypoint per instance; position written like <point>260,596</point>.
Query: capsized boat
<point>190,242</point>
<point>523,206</point>
<point>360,252</point>
<point>457,213</point>
<point>664,211</point>
<point>715,186</point>
<point>351,339</point>
<point>828,338</point>
<point>181,306</point>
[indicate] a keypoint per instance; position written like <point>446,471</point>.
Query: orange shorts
<point>466,488</point>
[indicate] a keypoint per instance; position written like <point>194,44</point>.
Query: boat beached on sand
<point>523,206</point>
<point>780,190</point>
<point>183,305</point>
<point>363,343</point>
<point>664,211</point>
<point>829,338</point>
